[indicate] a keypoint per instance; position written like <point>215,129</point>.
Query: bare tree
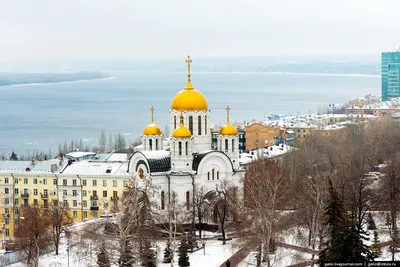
<point>32,234</point>
<point>202,203</point>
<point>60,219</point>
<point>265,196</point>
<point>102,141</point>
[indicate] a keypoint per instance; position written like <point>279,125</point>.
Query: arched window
<point>199,125</point>
<point>180,148</point>
<point>205,124</point>
<point>191,124</point>
<point>162,200</point>
<point>157,144</point>
<point>188,200</point>
<point>213,174</point>
<point>217,175</point>
<point>233,145</point>
<point>150,144</point>
<point>208,175</point>
<point>187,148</point>
<point>174,122</point>
<point>226,145</point>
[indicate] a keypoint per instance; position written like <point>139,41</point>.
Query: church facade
<point>190,163</point>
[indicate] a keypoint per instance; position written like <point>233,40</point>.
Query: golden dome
<point>181,131</point>
<point>228,128</point>
<point>189,98</point>
<point>152,128</point>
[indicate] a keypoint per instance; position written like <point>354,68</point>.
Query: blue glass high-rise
<point>390,75</point>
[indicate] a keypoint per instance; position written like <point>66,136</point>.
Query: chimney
<point>53,167</point>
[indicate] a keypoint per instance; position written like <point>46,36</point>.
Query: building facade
<point>390,65</point>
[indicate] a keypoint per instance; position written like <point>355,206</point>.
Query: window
<point>125,183</point>
<point>35,192</point>
<point>6,201</point>
<point>84,193</point>
<point>16,191</point>
<point>7,221</point>
<point>208,175</point>
<point>186,148</point>
<point>74,203</point>
<point>16,201</point>
<point>64,192</point>
<point>85,214</point>
<point>162,200</point>
<point>104,183</point>
<point>94,182</point>
<point>7,232</point>
<point>84,203</point>
<point>104,193</point>
<point>199,125</point>
<point>25,180</point>
<point>54,181</point>
<point>94,203</point>
<point>55,192</point>
<point>174,122</point>
<point>156,144</point>
<point>16,211</point>
<point>65,203</point>
<point>213,174</point>
<point>74,182</point>
<point>191,124</point>
<point>217,175</point>
<point>187,200</point>
<point>114,183</point>
<point>84,182</point>
<point>75,213</point>
<point>35,181</point>
<point>95,193</point>
<point>15,181</point>
<point>205,124</point>
<point>226,145</point>
<point>6,180</point>
<point>150,144</point>
<point>6,210</point>
<point>16,221</point>
<point>6,191</point>
<point>74,193</point>
<point>233,145</point>
<point>35,202</point>
<point>64,181</point>
<point>44,181</point>
<point>180,148</point>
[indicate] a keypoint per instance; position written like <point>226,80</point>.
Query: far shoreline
<point>44,83</point>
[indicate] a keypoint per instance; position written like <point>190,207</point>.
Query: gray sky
<point>133,29</point>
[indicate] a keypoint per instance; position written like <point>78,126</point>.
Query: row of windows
<point>65,182</point>
<point>191,124</point>
<point>151,144</point>
<point>213,174</point>
<point>163,200</point>
<point>180,148</point>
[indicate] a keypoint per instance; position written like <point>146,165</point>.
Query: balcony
<point>94,208</point>
<point>94,197</point>
<point>44,206</point>
<point>24,195</point>
<point>44,195</point>
<point>116,198</point>
<point>5,215</point>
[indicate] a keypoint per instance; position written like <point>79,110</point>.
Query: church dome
<point>228,128</point>
<point>152,128</point>
<point>189,98</point>
<point>181,131</point>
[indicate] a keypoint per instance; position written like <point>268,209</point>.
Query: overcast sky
<point>133,29</point>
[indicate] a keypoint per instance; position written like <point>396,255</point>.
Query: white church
<point>189,163</point>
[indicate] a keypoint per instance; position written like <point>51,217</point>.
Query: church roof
<point>198,157</point>
<point>159,161</point>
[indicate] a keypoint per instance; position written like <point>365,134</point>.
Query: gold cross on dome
<point>227,113</point>
<point>152,114</point>
<point>188,61</point>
